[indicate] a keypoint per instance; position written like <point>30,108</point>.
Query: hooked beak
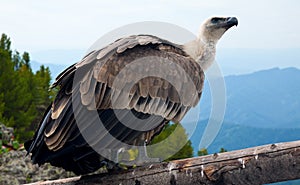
<point>231,21</point>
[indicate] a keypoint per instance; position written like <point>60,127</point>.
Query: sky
<point>61,32</point>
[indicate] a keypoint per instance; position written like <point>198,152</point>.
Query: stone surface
<point>16,168</point>
<point>6,134</point>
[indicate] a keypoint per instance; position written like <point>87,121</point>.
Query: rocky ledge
<point>16,168</point>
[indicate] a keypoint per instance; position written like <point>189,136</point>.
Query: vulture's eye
<point>216,20</point>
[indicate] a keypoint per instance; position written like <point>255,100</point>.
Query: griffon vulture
<point>95,84</point>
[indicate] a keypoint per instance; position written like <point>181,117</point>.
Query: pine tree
<point>7,80</point>
<point>43,95</point>
<point>222,150</point>
<point>25,107</point>
<point>2,105</point>
<point>202,152</point>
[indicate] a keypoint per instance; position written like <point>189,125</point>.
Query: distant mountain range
<point>262,108</point>
<point>269,99</point>
<point>54,68</point>
<point>234,137</point>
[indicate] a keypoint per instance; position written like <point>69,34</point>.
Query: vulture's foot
<point>114,164</point>
<point>114,167</point>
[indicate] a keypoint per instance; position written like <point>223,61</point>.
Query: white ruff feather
<point>202,52</point>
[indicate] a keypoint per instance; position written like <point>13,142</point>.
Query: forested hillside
<point>24,94</point>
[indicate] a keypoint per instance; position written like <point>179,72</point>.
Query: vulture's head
<point>213,28</point>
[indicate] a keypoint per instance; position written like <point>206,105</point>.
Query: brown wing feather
<point>149,87</point>
<point>151,95</point>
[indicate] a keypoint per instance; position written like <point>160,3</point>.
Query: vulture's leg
<point>115,154</point>
<point>113,164</point>
<point>143,157</point>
